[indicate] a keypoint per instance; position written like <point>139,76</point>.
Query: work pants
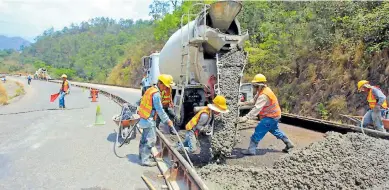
<point>147,142</point>
<point>267,125</point>
<point>190,142</point>
<point>62,99</point>
<point>375,118</point>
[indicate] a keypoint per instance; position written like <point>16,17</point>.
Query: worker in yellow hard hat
<point>150,107</point>
<point>167,99</point>
<point>202,120</point>
<point>267,108</point>
<point>65,89</point>
<point>377,104</point>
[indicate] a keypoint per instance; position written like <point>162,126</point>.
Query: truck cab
<point>151,67</point>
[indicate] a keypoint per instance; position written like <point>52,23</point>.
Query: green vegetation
<point>313,53</point>
<point>3,95</point>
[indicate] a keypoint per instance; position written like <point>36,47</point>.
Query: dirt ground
<point>269,148</point>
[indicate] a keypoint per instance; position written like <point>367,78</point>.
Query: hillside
<point>15,43</point>
<point>313,53</point>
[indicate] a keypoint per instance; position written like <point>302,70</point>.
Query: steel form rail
<point>178,173</point>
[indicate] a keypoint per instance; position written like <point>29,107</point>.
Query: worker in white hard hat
<point>377,104</point>
<point>145,84</point>
<point>150,107</point>
<point>202,119</point>
<point>267,107</point>
<point>65,89</point>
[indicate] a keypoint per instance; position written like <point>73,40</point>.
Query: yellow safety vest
<point>166,97</point>
<point>373,101</point>
<point>146,104</point>
<point>193,122</point>
<point>273,110</point>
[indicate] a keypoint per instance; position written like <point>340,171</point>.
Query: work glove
<point>243,119</point>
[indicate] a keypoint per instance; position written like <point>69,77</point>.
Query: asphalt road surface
<point>62,149</point>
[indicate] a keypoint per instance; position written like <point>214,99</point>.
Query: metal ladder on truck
<point>185,64</point>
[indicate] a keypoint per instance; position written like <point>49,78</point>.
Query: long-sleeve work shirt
<point>157,105</point>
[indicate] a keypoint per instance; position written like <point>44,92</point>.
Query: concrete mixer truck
<point>191,55</point>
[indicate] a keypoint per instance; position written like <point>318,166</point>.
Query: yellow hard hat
<point>166,80</point>
<point>219,104</point>
<point>259,78</point>
<point>172,81</point>
<point>64,76</point>
<point>361,83</point>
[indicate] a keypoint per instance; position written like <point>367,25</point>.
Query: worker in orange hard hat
<point>150,107</point>
<point>202,120</point>
<point>267,107</point>
<point>167,99</point>
<point>65,89</point>
<point>377,104</point>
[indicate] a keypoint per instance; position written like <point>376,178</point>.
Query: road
<point>62,149</point>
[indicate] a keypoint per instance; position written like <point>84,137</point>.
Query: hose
<point>363,118</point>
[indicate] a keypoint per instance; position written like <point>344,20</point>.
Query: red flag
<point>53,97</point>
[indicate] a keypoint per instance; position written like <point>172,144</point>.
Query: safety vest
<point>193,122</point>
<point>65,86</point>
<point>373,101</point>
<point>273,110</point>
<point>166,97</point>
<point>146,104</point>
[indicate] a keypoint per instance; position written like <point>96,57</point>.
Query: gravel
<point>225,127</point>
<point>350,161</point>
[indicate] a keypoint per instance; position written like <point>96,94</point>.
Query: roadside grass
<point>3,95</point>
<point>19,91</point>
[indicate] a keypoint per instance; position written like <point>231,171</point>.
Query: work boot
<point>149,163</point>
<point>289,145</point>
<point>252,150</point>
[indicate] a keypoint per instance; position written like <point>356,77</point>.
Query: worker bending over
<point>377,104</point>
<point>269,111</point>
<point>65,89</point>
<point>167,99</point>
<point>200,121</point>
<point>150,106</point>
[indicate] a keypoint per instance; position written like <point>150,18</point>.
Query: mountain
<point>12,42</point>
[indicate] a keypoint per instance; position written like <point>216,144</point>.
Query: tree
<point>159,8</point>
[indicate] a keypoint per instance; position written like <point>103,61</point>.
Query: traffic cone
<point>94,96</point>
<point>99,117</point>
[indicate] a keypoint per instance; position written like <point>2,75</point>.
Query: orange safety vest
<point>273,110</point>
<point>146,104</point>
<point>373,101</point>
<point>65,86</point>
<point>166,96</point>
<point>193,122</point>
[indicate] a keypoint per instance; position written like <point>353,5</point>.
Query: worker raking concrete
<point>202,120</point>
<point>149,108</point>
<point>377,104</point>
<point>267,107</point>
<point>65,89</point>
<point>167,100</point>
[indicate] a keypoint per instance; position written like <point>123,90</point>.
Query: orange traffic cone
<point>94,96</point>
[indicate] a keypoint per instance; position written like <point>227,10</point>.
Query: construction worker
<point>149,107</point>
<point>167,100</point>
<point>29,79</point>
<point>267,107</point>
<point>145,84</point>
<point>201,120</point>
<point>65,89</point>
<point>377,104</point>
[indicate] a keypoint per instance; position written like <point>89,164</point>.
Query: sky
<point>29,18</point>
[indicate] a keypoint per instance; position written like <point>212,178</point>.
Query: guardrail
<point>176,171</point>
